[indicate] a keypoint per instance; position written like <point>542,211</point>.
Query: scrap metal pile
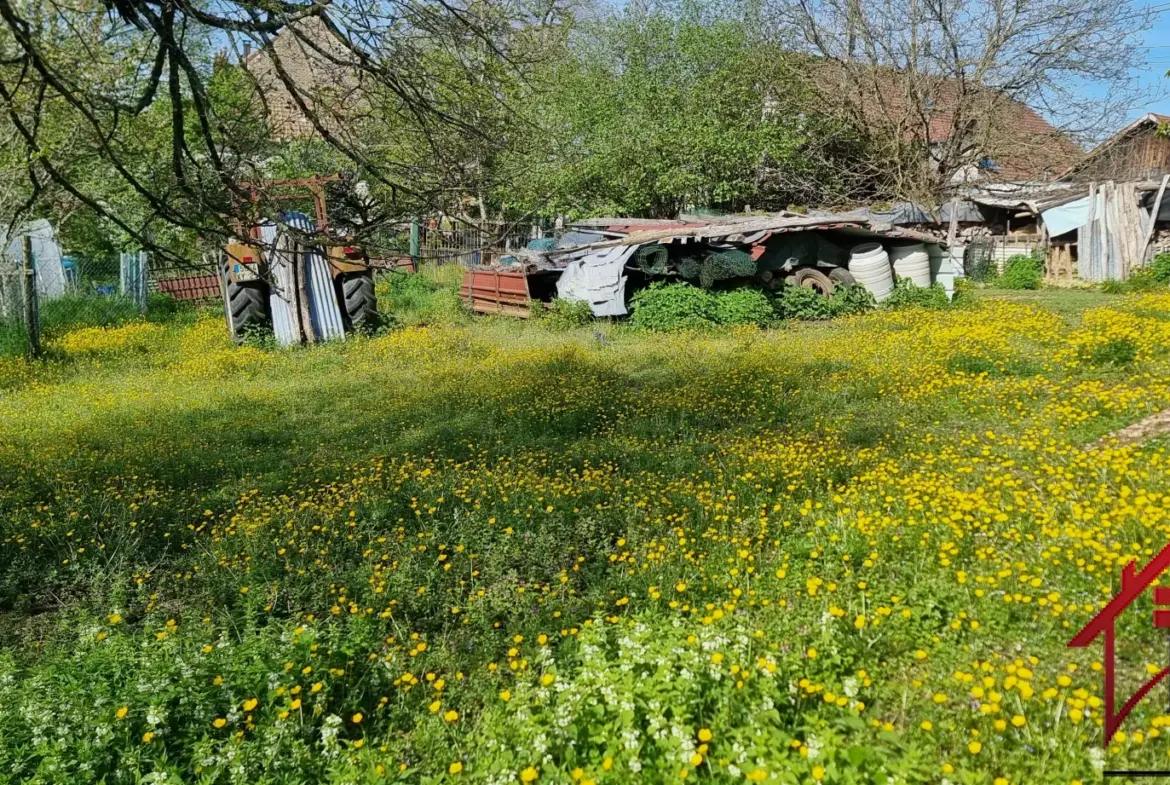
<point>602,261</point>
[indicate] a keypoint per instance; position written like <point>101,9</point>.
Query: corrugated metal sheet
<point>323,309</point>
<point>281,297</point>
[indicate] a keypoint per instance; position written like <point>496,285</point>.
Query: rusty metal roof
<point>748,230</point>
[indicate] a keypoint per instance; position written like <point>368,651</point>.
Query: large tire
<point>812,278</point>
<point>841,276</point>
<point>360,303</point>
<point>245,306</point>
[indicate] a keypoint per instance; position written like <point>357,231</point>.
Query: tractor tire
<point>246,307</point>
<point>841,276</point>
<point>359,302</point>
<point>812,278</point>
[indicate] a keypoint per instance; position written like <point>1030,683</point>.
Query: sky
<point>1157,61</point>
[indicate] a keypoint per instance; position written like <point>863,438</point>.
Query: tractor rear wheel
<point>356,292</point>
<point>245,306</point>
<point>814,279</point>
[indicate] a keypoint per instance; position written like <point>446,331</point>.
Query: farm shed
<point>1136,153</point>
<point>1105,231</point>
<point>764,251</point>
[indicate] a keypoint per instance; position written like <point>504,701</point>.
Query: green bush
<point>1160,265</point>
<point>800,302</point>
<point>852,298</point>
<point>566,314</point>
<point>1022,271</point>
<point>1113,287</point>
<point>673,306</point>
<point>743,306</point>
<point>1117,351</point>
<point>907,295</point>
<point>681,306</point>
<point>1144,279</point>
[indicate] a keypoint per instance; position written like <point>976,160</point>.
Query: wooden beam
<point>1154,217</point>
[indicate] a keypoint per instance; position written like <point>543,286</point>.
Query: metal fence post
<point>31,311</point>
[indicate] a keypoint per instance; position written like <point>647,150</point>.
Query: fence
<point>446,242</point>
<point>67,293</point>
<point>985,256</point>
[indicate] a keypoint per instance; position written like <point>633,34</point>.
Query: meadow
<point>493,551</point>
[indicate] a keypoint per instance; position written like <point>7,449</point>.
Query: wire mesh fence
<point>446,242</point>
<point>64,293</point>
<point>13,324</point>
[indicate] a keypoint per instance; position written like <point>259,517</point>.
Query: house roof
<point>1022,145</point>
<point>1150,119</point>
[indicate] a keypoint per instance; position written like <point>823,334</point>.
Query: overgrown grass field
<point>491,551</point>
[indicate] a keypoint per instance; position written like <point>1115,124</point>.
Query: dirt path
<point>1154,425</point>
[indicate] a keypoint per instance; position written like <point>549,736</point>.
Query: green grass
<point>775,555</point>
<point>1068,302</point>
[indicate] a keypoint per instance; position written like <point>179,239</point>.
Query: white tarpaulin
<point>1068,216</point>
<point>46,257</point>
<point>598,280</point>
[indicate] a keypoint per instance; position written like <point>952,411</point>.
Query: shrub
<point>907,295</point>
<point>1160,265</point>
<point>1022,271</point>
<point>1115,351</point>
<point>800,302</point>
<point>743,306</point>
<point>1113,287</point>
<point>1144,280</point>
<point>852,298</point>
<point>673,306</point>
<point>566,314</point>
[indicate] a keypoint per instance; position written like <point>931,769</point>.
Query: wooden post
<point>414,249</point>
<point>301,271</point>
<point>953,229</point>
<point>1145,249</point>
<point>32,321</point>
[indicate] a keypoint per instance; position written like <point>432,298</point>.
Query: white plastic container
<point>936,254</point>
<point>911,262</point>
<point>870,266</point>
<point>942,269</point>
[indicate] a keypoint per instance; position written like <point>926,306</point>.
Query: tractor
<point>335,279</point>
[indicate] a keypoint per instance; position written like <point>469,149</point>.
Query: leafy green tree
<point>649,112</point>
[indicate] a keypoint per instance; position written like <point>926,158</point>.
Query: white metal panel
<point>597,279</point>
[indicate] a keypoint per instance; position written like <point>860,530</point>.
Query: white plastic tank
<point>911,261</point>
<point>936,254</point>
<point>870,266</point>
